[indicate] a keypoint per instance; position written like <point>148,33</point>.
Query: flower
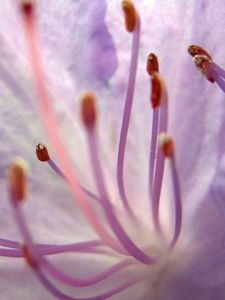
<point>180,255</point>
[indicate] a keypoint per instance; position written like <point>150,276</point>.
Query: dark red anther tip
<point>203,62</point>
<point>198,50</point>
<point>42,152</point>
<point>152,64</point>
<point>166,144</point>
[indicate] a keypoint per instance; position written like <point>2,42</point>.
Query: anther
<point>130,15</point>
<point>42,152</point>
<point>202,62</point>
<point>28,257</point>
<point>88,109</point>
<point>17,179</point>
<point>167,145</point>
<point>152,64</point>
<point>156,90</point>
<point>198,50</point>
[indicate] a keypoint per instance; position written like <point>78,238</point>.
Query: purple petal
<point>75,32</point>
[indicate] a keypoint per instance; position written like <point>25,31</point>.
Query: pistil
<point>53,130</point>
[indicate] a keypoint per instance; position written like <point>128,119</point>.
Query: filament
<point>153,145</point>
<point>35,260</point>
<point>126,115</point>
<point>160,160</point>
<point>59,172</point>
<point>58,294</point>
<point>52,249</point>
<point>131,248</point>
<point>177,201</point>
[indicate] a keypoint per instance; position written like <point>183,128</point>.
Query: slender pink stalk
<point>53,131</point>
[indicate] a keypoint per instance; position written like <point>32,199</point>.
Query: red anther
<point>88,109</point>
<point>17,179</point>
<point>152,64</point>
<point>42,152</point>
<point>202,62</point>
<point>167,145</point>
<point>198,50</point>
<point>27,7</point>
<point>156,90</point>
<point>28,257</point>
<point>130,15</point>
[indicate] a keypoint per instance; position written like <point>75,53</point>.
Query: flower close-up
<point>113,150</point>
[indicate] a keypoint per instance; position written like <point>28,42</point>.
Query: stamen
<point>15,253</point>
<point>83,282</point>
<point>221,83</point>
<point>54,135</point>
<point>219,75</point>
<point>35,259</point>
<point>153,144</point>
<point>130,15</point>
<point>17,179</point>
<point>152,70</point>
<point>160,160</point>
<point>23,251</point>
<point>156,90</point>
<point>167,147</point>
<point>19,217</point>
<point>92,246</point>
<point>152,64</point>
<point>28,257</point>
<point>42,152</point>
<point>88,109</point>
<point>9,243</point>
<point>105,295</point>
<point>219,71</point>
<point>198,50</point>
<point>43,155</point>
<point>202,60</point>
<point>166,144</point>
<point>126,115</point>
<point>128,244</point>
<point>206,66</point>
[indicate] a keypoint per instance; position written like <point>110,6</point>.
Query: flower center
<point>118,240</point>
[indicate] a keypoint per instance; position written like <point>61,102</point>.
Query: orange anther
<point>156,90</point>
<point>88,109</point>
<point>17,179</point>
<point>130,15</point>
